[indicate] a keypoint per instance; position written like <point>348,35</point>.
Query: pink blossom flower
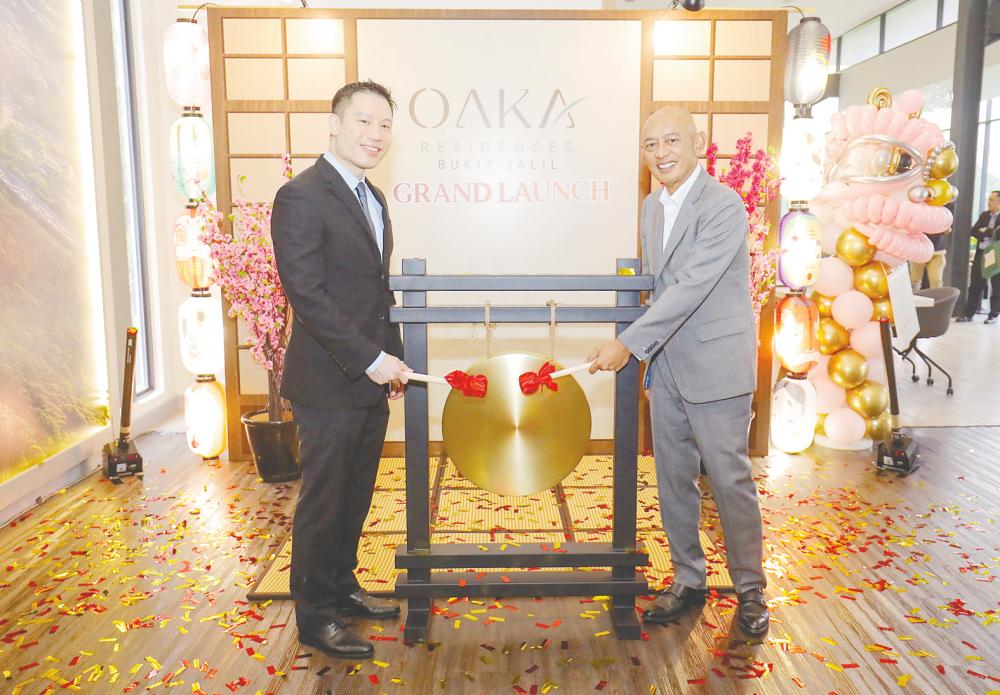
<point>752,174</point>
<point>247,274</point>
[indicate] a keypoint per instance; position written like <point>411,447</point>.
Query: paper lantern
<point>801,160</point>
<point>796,335</point>
<point>205,417</point>
<point>200,321</point>
<point>192,162</point>
<point>807,64</point>
<point>185,61</point>
<point>800,242</point>
<point>193,256</point>
<point>793,414</point>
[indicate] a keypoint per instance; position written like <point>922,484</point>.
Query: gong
<point>514,444</point>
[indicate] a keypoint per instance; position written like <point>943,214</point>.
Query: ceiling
<point>838,15</point>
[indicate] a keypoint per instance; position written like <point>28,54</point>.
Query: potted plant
<point>246,272</point>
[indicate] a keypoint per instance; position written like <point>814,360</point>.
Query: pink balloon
<point>844,426</point>
<point>835,277</point>
<point>829,396</point>
<point>867,340</point>
<point>852,309</point>
<point>909,101</point>
<point>820,369</point>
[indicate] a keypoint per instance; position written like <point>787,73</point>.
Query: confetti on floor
<point>876,584</point>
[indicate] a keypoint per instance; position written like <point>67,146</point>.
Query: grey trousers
<point>685,435</point>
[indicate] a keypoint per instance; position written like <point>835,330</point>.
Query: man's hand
<point>396,389</point>
<point>391,368</point>
<point>609,357</point>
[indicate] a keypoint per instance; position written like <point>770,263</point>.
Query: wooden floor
<point>877,584</point>
<point>971,352</point>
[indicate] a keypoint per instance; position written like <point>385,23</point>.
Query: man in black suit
<point>332,241</point>
<point>984,231</point>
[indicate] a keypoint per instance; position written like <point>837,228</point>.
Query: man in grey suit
<point>699,342</point>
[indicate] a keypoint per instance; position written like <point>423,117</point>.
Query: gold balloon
<point>945,164</point>
<point>882,309</point>
<point>870,399</point>
<point>879,428</point>
<point>820,421</point>
<point>847,368</point>
<point>832,336</point>
<point>823,303</point>
<point>511,443</point>
<point>871,280</point>
<point>942,192</point>
<point>853,248</point>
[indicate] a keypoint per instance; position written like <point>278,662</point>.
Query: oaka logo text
<point>501,108</point>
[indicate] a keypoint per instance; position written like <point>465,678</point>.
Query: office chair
<point>934,321</point>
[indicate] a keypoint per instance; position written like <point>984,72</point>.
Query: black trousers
<point>338,454</point>
<point>976,284</point>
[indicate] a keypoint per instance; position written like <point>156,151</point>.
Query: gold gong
<point>514,444</point>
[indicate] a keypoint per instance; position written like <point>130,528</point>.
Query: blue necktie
<point>363,199</point>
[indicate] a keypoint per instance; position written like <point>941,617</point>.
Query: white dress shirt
<point>672,204</point>
<point>374,214</point>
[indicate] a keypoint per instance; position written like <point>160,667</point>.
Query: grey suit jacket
<point>700,320</point>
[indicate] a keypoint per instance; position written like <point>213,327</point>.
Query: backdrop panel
<point>518,158</point>
<point>515,144</point>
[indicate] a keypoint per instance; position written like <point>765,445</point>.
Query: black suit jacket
<point>981,229</point>
<point>338,287</point>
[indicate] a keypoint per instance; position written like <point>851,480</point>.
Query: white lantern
<point>205,417</point>
<point>192,160</point>
<point>185,60</point>
<point>801,161</point>
<point>793,414</point>
<point>193,256</point>
<point>807,64</point>
<point>800,240</point>
<point>200,321</point>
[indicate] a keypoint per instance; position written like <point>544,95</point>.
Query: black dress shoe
<point>361,604</point>
<point>752,615</point>
<point>336,640</point>
<point>990,319</point>
<point>963,319</point>
<point>673,603</point>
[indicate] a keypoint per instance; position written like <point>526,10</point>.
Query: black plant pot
<point>274,445</point>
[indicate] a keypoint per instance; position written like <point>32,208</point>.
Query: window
<point>135,238</point>
<point>859,44</point>
<point>950,12</point>
<point>909,21</point>
<point>834,50</point>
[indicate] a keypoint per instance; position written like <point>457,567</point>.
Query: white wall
<point>929,60</point>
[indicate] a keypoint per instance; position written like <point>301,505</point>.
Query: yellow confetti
<point>602,633</point>
<point>828,641</point>
<point>903,680</point>
<point>457,624</point>
<point>380,664</point>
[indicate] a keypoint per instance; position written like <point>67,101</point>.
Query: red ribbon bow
<point>532,381</point>
<point>472,385</point>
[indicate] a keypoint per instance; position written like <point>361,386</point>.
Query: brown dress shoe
<point>752,615</point>
<point>362,605</point>
<point>673,603</point>
<point>336,640</point>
